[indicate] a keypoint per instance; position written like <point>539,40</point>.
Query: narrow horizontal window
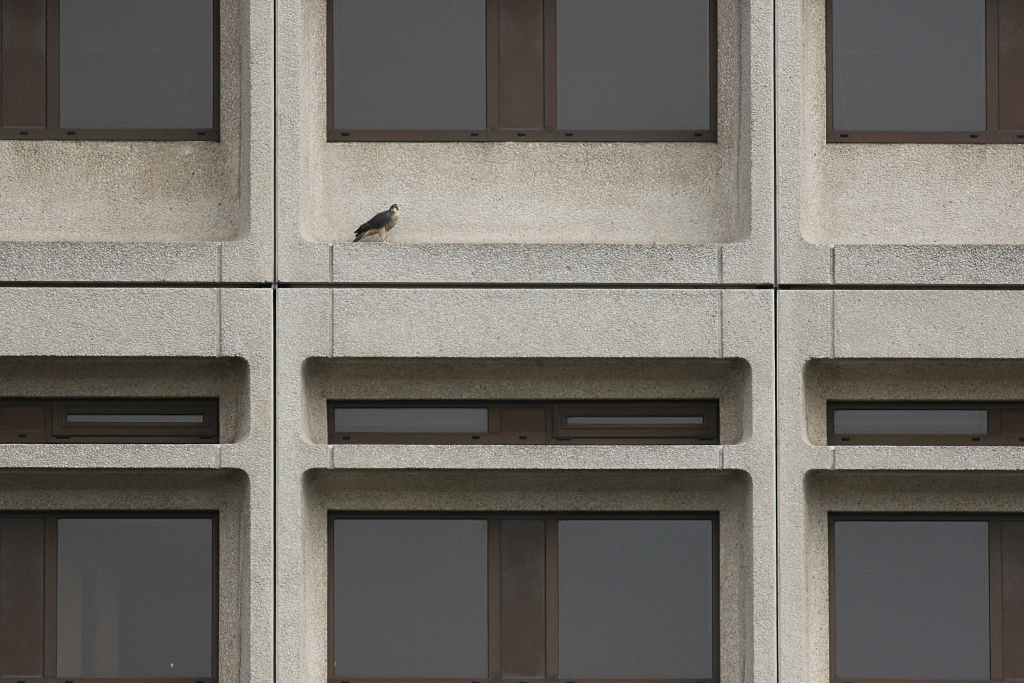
<point>174,419</point>
<point>926,598</point>
<point>125,597</point>
<point>894,423</point>
<point>477,596</point>
<point>109,420</point>
<point>523,422</point>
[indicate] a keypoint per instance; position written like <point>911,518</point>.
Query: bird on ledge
<point>379,224</point>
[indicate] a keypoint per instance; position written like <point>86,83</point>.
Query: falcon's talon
<point>379,224</point>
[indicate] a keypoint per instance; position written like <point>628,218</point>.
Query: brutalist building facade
<point>697,353</point>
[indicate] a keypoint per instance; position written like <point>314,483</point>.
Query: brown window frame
<point>1001,94</point>
<point>49,561</point>
<point>544,127</point>
<point>997,434</point>
<point>521,424</point>
<point>495,641</point>
<point>32,68</point>
<point>56,428</point>
<point>1002,610</point>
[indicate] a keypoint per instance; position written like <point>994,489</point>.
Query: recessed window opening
<point>526,70</point>
<point>475,596</point>
<point>935,423</point>
<point>583,422</point>
<point>926,597</point>
<point>104,596</point>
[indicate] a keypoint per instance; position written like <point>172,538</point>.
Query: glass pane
<point>410,598</point>
<point>912,600</point>
<point>411,420</point>
<point>134,597</point>
<point>410,64</point>
<point>136,63</point>
<point>910,421</point>
<point>913,65</point>
<point>635,420</point>
<point>633,65</point>
<point>126,417</point>
<point>635,598</point>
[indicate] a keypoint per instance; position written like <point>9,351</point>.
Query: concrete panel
<point>526,322</point>
<point>858,213</point>
<point>591,202</point>
<point>407,348</point>
<point>103,211</point>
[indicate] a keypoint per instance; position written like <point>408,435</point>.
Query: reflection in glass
<point>411,420</point>
<point>908,65</point>
<point>633,64</point>
<point>410,598</point>
<point>635,598</point>
<point>134,597</point>
<point>136,63</point>
<point>912,600</point>
<point>132,417</point>
<point>410,64</point>
<point>635,420</point>
<point>901,421</point>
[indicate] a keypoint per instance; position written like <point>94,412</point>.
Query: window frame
<point>996,436</point>
<point>50,77</point>
<point>57,430</point>
<point>555,432</point>
<point>998,601</point>
<point>549,132</point>
<point>50,564</point>
<point>494,590</point>
<point>993,132</point>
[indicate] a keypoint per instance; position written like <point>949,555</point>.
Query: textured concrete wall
<point>154,210</point>
<point>471,194</point>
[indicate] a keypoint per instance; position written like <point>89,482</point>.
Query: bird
<point>379,224</point>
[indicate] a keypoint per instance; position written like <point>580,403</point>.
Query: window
<point>512,597</point>
<point>101,596</point>
<point>105,420</point>
<point>529,70</point>
<point>929,423</point>
<point>925,70</point>
<point>523,422</point>
<point>927,598</point>
<point>109,69</point>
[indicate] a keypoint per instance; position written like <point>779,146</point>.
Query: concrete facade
<point>769,270</point>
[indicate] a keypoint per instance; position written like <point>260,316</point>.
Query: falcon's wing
<point>376,223</point>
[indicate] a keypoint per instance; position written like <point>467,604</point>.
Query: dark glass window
<point>926,597</point>
<point>477,597</point>
<point>109,69</point>
<point>905,423</point>
<point>89,596</point>
<point>555,70</point>
<point>926,70</point>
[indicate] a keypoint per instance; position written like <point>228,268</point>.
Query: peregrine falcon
<point>379,224</point>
